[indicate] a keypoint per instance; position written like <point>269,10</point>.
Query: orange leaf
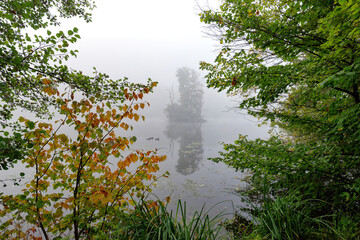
<point>134,158</point>
<point>46,81</point>
<point>135,96</point>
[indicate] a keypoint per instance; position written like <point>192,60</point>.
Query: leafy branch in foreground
<point>33,65</point>
<point>82,180</point>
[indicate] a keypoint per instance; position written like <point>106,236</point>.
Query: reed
<point>153,221</point>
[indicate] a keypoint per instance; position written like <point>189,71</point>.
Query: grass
<point>153,221</point>
<point>289,218</point>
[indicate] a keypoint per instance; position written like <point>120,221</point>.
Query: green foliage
<point>11,147</point>
<point>296,64</point>
<point>153,221</point>
<point>284,218</point>
<point>32,64</point>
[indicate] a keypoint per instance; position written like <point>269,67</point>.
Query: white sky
<point>142,39</point>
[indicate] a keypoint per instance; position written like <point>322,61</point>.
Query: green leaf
<point>30,125</point>
<point>133,139</point>
<point>40,204</point>
<point>342,2</point>
<point>22,197</point>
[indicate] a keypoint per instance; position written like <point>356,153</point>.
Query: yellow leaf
<point>48,90</point>
<point>96,197</point>
<point>134,158</point>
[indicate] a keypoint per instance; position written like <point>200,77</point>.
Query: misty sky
<point>148,39</point>
<point>141,39</point>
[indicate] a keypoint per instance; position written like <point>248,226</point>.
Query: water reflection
<point>184,121</point>
<point>191,145</point>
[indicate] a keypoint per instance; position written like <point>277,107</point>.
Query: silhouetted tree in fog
<point>188,109</point>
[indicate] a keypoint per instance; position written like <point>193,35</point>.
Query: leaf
<point>46,81</point>
<point>30,124</point>
<point>133,139</point>
<point>342,2</point>
<point>40,204</point>
<point>22,197</point>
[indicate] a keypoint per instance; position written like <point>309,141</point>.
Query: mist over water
<point>188,142</point>
<point>140,40</point>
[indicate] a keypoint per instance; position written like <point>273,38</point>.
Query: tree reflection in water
<point>184,121</point>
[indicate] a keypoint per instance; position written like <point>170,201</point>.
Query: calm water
<point>193,178</point>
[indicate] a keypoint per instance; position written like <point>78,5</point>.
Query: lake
<point>193,178</point>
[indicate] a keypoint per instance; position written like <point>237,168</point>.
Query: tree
<point>82,184</point>
<point>297,65</point>
<point>191,97</point>
<point>33,65</point>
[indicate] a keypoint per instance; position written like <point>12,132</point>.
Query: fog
<point>154,39</point>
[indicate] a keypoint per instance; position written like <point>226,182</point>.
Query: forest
<point>295,65</point>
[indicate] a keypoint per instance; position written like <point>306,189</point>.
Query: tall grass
<point>289,218</point>
<point>153,221</point>
<point>284,218</point>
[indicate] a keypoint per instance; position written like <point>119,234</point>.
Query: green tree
<point>33,66</point>
<point>297,65</point>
